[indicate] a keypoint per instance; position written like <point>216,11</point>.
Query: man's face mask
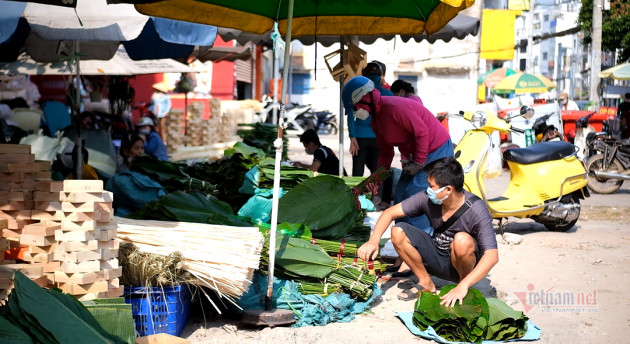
<point>433,195</point>
<point>361,114</point>
<point>563,101</point>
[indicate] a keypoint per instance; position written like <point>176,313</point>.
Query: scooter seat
<point>539,152</point>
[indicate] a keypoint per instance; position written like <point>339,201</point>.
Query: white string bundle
<point>222,258</point>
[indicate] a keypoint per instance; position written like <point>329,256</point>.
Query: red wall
<point>223,76</point>
<point>143,85</point>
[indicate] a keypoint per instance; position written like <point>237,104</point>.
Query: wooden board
<point>41,229</point>
<point>70,246</point>
<point>78,256</point>
<point>42,249</point>
<point>89,225</point>
<point>79,289</point>
<point>36,240</point>
<point>16,205</point>
<point>90,186</point>
<point>15,149</point>
<point>88,266</point>
<point>78,197</point>
<point>30,271</point>
<point>49,186</point>
<point>38,257</point>
<point>17,158</point>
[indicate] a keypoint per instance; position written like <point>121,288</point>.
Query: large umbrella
<point>404,17</point>
<point>100,28</point>
<point>493,77</point>
<point>618,72</point>
<point>524,83</point>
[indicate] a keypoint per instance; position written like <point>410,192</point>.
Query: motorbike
<point>546,132</point>
<point>609,163</point>
<point>299,118</point>
<point>326,123</point>
<point>547,180</point>
<point>582,131</point>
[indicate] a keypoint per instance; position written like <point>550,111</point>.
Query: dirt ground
<point>571,285</point>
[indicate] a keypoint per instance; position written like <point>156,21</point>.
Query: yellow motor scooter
<point>547,180</point>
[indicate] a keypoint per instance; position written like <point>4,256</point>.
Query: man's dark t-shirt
<point>328,159</point>
<point>476,221</point>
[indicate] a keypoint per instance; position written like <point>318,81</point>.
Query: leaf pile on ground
<point>475,320</point>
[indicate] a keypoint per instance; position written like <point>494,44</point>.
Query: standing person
<point>160,106</point>
<point>623,113</point>
<point>384,83</point>
<point>404,89</point>
<point>153,144</point>
<point>463,248</point>
<point>131,146</point>
<point>406,124</point>
<point>324,159</point>
<point>363,144</point>
<point>566,104</point>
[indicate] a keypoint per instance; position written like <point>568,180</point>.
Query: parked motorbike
<point>326,122</point>
<point>547,180</point>
<point>298,118</point>
<point>546,132</point>
<point>582,130</point>
<point>609,164</point>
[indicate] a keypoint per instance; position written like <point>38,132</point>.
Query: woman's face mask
<point>361,114</point>
<point>563,101</point>
<point>433,195</point>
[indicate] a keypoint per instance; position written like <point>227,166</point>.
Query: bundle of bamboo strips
<point>222,258</point>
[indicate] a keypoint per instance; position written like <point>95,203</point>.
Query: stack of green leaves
<point>299,260</point>
<point>321,289</point>
<point>114,315</point>
<point>504,323</point>
<point>36,315</point>
<point>290,176</point>
<point>325,204</point>
<point>228,173</point>
<point>356,282</point>
<point>460,323</point>
<point>262,135</point>
<point>475,320</point>
<point>192,207</point>
<point>170,175</point>
<point>370,267</point>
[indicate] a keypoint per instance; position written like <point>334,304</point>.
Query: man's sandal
<point>409,295</point>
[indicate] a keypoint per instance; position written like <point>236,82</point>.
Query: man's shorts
<point>436,261</point>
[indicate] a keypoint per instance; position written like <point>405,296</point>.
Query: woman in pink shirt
<point>408,125</point>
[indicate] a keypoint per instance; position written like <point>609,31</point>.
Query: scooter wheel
<point>603,185</point>
<point>332,128</point>
<point>563,227</point>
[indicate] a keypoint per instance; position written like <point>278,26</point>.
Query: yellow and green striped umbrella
<point>493,77</point>
<point>315,17</point>
<point>618,72</point>
<point>524,83</point>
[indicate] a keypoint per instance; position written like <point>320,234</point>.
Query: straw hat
<point>162,87</point>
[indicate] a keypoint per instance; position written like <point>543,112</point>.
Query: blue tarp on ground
<point>310,310</point>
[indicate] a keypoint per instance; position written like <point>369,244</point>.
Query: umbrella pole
<point>272,317</point>
<point>341,113</point>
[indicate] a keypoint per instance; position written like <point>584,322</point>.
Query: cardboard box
<point>161,338</point>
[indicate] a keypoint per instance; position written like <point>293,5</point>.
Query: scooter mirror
<point>527,112</point>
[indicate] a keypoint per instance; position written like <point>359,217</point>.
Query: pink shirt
<point>408,125</point>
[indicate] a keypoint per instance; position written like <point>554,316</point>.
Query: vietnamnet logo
<point>551,300</point>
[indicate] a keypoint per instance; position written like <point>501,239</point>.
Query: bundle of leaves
<point>325,204</point>
<point>170,175</point>
<point>262,135</point>
<point>299,260</point>
<point>143,269</point>
<point>36,315</point>
<point>290,176</point>
<point>475,320</point>
<point>228,173</point>
<point>192,207</point>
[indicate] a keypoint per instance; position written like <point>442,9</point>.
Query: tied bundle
<point>222,258</point>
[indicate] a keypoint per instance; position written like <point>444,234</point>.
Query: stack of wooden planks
<point>174,130</point>
<point>87,247</point>
<point>198,132</point>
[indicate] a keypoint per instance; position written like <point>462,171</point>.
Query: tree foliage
<point>615,26</point>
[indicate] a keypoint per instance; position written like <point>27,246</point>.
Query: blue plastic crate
<point>159,309</point>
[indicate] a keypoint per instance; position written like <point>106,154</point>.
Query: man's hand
<point>456,294</point>
<point>296,164</point>
<point>368,251</point>
<point>412,168</point>
<point>354,146</point>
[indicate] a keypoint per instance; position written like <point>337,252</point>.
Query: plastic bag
<point>46,148</point>
<point>493,165</point>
